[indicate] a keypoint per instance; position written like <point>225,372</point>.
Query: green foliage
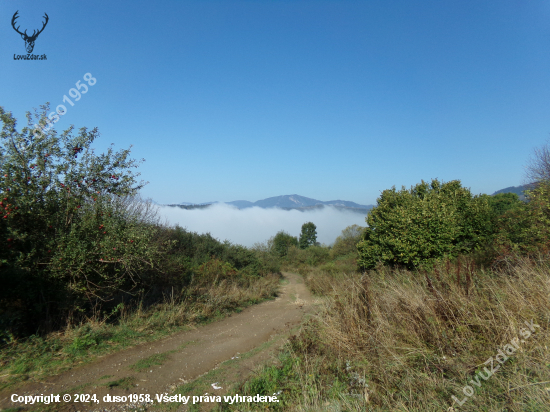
<point>269,261</point>
<point>213,271</point>
<point>317,255</point>
<point>423,224</point>
<point>191,250</point>
<point>270,380</point>
<point>525,228</point>
<point>313,255</point>
<point>70,235</point>
<point>85,339</point>
<point>243,259</point>
<point>77,239</point>
<point>502,202</point>
<point>346,243</point>
<point>308,235</point>
<point>282,242</point>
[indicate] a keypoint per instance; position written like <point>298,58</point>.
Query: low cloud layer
<point>249,226</point>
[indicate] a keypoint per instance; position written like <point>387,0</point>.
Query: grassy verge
<point>402,341</point>
<point>39,357</point>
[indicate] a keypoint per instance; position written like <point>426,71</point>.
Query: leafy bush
<point>503,202</point>
<point>213,271</point>
<point>191,250</point>
<point>346,243</point>
<point>282,242</point>
<point>316,255</point>
<point>312,256</point>
<point>423,224</point>
<point>525,228</point>
<point>269,261</point>
<point>70,237</point>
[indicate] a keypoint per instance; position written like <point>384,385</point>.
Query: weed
<point>186,344</point>
<point>123,383</point>
<point>142,364</point>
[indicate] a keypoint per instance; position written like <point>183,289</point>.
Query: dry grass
<point>393,340</point>
<point>420,339</point>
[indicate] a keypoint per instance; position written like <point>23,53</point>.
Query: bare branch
<point>538,166</point>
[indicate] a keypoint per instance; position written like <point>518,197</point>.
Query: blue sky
<point>230,100</point>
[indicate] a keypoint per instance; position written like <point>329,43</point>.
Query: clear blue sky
<point>231,100</point>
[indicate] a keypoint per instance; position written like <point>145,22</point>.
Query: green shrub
<point>423,224</point>
<point>502,202</point>
<point>191,250</point>
<point>70,236</point>
<point>282,242</point>
<point>316,255</point>
<point>346,243</point>
<point>269,261</point>
<point>313,255</point>
<point>525,228</point>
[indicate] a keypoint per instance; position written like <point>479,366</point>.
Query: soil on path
<point>187,355</point>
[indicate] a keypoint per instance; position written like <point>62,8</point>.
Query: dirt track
<point>190,354</point>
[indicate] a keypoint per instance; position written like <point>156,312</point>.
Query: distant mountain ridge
<point>293,201</point>
<point>287,202</point>
<point>302,203</point>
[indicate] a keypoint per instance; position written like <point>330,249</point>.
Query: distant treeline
<point>190,207</point>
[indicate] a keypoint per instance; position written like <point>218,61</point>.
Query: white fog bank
<point>252,225</point>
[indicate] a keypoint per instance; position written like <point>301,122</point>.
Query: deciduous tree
<point>538,167</point>
<point>308,236</point>
<point>346,243</point>
<point>422,224</point>
<point>67,229</point>
<point>282,241</point>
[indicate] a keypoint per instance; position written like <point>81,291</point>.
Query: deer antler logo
<point>29,40</point>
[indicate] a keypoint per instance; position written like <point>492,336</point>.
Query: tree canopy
<point>538,167</point>
<point>68,230</point>
<point>308,235</point>
<point>427,222</point>
<point>346,243</point>
<point>282,242</point>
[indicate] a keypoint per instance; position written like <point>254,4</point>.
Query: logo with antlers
<point>29,40</point>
